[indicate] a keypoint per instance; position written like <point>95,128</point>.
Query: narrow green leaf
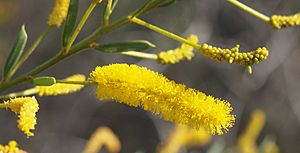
<point>134,45</point>
<point>70,21</point>
<point>114,4</point>
<point>16,51</point>
<point>167,3</point>
<point>44,81</point>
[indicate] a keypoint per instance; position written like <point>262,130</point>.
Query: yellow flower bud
<point>12,147</point>
<point>279,21</point>
<point>233,55</point>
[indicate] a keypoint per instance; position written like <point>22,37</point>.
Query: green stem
<point>250,10</point>
<point>80,25</point>
<point>27,92</point>
<point>141,55</point>
<point>163,32</point>
<point>75,49</point>
<point>107,13</point>
<point>28,52</point>
<point>76,82</point>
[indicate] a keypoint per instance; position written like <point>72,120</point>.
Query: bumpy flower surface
<point>233,55</point>
<point>27,108</point>
<point>182,53</point>
<point>137,86</point>
<point>12,147</point>
<point>247,140</point>
<point>59,13</point>
<point>279,21</point>
<point>61,88</point>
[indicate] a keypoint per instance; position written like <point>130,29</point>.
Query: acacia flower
<point>247,140</point>
<point>178,54</point>
<point>27,108</point>
<point>233,55</point>
<point>279,21</point>
<point>137,86</point>
<point>61,88</point>
<point>12,147</point>
<point>183,136</point>
<point>59,13</point>
<point>103,137</point>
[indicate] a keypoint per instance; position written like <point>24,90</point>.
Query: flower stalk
<point>250,10</point>
<point>163,32</point>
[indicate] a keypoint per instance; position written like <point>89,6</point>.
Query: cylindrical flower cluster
<point>233,55</point>
<point>59,13</point>
<point>185,51</point>
<point>280,21</point>
<point>139,87</point>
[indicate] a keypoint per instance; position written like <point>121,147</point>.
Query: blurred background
<point>66,122</point>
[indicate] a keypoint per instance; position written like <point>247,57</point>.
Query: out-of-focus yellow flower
<point>61,88</point>
<point>27,108</point>
<point>137,86</point>
<point>270,147</point>
<point>280,21</point>
<point>178,54</point>
<point>233,55</point>
<point>247,140</point>
<point>103,136</point>
<point>183,136</point>
<point>8,11</point>
<point>12,147</point>
<point>59,13</point>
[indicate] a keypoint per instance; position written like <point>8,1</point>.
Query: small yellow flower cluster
<point>137,86</point>
<point>233,55</point>
<point>27,108</point>
<point>178,54</point>
<point>12,147</point>
<point>247,140</point>
<point>103,137</point>
<point>183,136</point>
<point>61,88</point>
<point>279,21</point>
<point>59,13</point>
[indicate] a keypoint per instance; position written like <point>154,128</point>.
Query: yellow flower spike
<point>59,13</point>
<point>178,54</point>
<point>183,136</point>
<point>234,56</point>
<point>26,108</point>
<point>137,86</point>
<point>61,88</point>
<point>103,136</point>
<point>12,147</point>
<point>279,21</point>
<point>247,140</point>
